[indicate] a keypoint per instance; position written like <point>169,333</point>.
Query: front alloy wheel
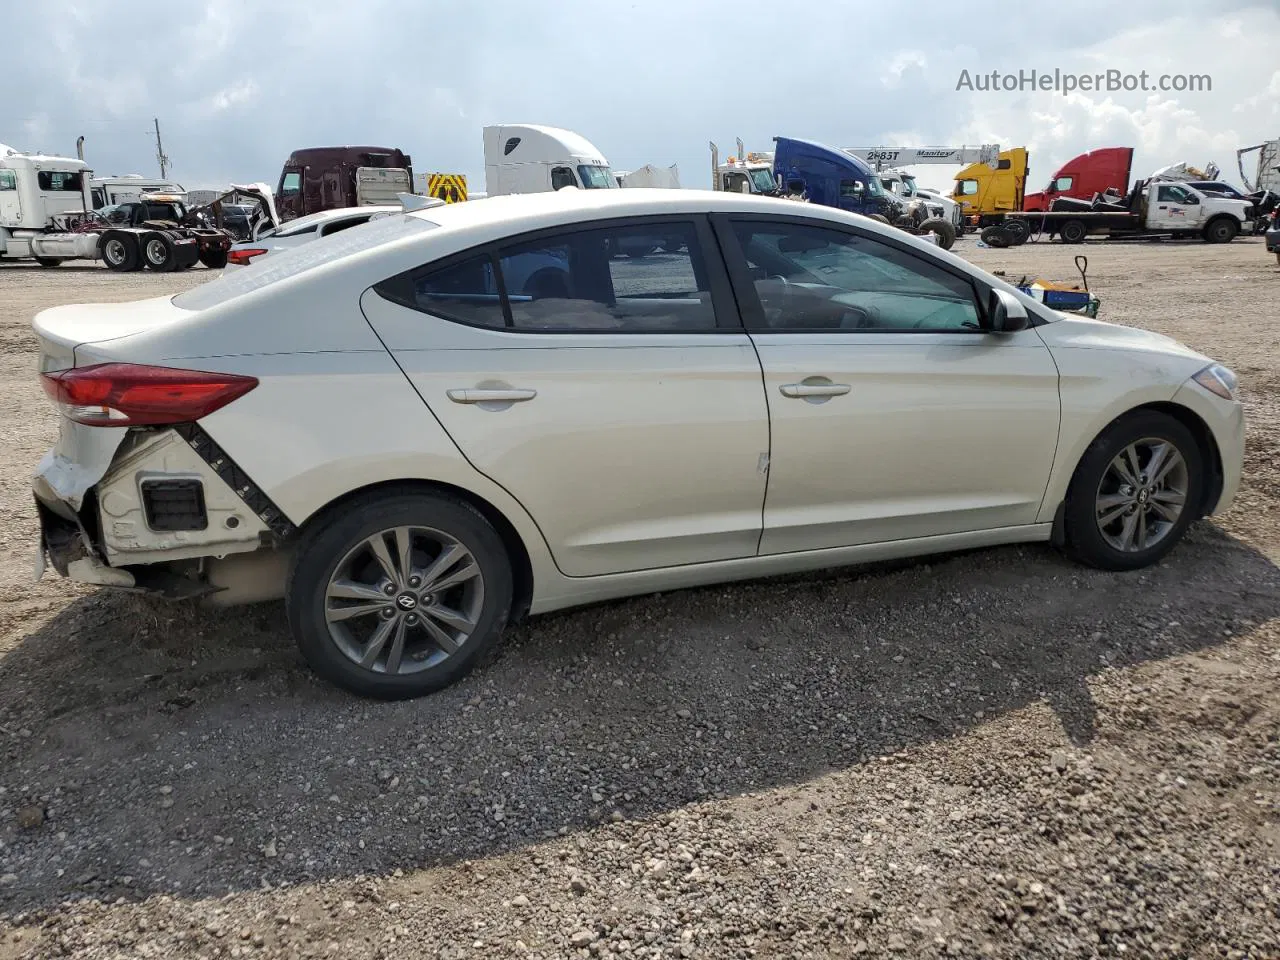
<point>1142,495</point>
<point>1137,488</point>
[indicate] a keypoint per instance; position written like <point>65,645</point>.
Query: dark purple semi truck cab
<point>328,178</point>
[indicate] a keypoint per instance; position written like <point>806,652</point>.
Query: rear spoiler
<point>412,201</point>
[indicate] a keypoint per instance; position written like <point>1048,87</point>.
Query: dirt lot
<point>991,754</point>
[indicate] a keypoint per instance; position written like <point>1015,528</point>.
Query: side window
<point>8,180</point>
<point>1063,184</point>
<point>1169,194</point>
<point>618,279</point>
<point>818,279</point>
<point>967,188</point>
<point>850,188</point>
<point>562,177</point>
<point>58,181</point>
<point>464,291</point>
<point>291,183</point>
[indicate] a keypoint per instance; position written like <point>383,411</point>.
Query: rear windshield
<point>290,262</point>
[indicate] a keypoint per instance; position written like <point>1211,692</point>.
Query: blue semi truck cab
<point>832,178</point>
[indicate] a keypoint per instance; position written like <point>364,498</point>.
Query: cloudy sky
<point>238,84</point>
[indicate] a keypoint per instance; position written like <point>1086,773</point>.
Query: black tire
<point>1073,231</point>
<point>994,236</point>
<point>158,253</point>
<point>1017,231</point>
<point>328,542</point>
<point>879,218</point>
<point>214,259</point>
<point>119,251</point>
<point>945,230</point>
<point>1084,539</point>
<point>49,261</point>
<point>1221,230</point>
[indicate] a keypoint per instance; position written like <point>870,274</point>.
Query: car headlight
<point>1217,379</point>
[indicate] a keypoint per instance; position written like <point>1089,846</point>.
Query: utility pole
<point>164,161</point>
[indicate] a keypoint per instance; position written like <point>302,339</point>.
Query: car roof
<point>570,205</point>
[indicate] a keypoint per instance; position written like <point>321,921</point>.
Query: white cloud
<point>236,90</point>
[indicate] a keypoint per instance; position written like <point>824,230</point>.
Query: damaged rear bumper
<point>157,510</point>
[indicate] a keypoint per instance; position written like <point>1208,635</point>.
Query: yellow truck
<point>981,189</point>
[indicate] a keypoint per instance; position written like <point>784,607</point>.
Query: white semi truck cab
<point>529,158</point>
<point>42,199</point>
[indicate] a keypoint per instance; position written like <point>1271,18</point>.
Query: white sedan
<point>421,429</point>
<point>304,230</point>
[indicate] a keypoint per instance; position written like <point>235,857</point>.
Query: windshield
<point>762,180</point>
<point>596,178</point>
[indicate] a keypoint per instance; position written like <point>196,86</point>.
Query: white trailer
<point>126,188</point>
<point>651,176</point>
<point>529,158</point>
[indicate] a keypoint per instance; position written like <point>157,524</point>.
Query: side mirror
<point>1006,313</point>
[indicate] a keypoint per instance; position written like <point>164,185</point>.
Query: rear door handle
<point>481,395</point>
<point>814,389</point>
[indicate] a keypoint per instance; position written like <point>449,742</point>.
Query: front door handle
<point>483,395</point>
<point>814,389</point>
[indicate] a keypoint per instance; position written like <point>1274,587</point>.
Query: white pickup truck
<point>1152,208</point>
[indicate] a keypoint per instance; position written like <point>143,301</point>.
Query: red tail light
<point>244,257</point>
<point>131,395</point>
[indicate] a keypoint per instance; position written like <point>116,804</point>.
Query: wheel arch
<point>517,550</point>
<point>1199,430</point>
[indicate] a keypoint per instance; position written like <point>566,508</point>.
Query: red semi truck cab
<point>1085,175</point>
<point>327,178</point>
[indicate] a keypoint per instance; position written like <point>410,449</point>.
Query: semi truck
<point>1152,208</point>
<point>888,162</point>
<point>46,215</point>
<point>518,158</point>
<point>813,172</point>
<point>531,158</point>
<point>986,193</point>
<point>328,178</point>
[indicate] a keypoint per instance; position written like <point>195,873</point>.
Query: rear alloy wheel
<point>1136,490</point>
<point>119,252</point>
<point>399,596</point>
<point>158,253</point>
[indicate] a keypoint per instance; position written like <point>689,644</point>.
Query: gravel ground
<point>992,754</point>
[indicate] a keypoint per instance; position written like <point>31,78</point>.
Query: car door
<point>1172,209</point>
<point>894,415</point>
<point>10,204</point>
<point>616,396</point>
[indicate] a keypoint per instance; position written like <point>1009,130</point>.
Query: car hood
<point>1074,332</point>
